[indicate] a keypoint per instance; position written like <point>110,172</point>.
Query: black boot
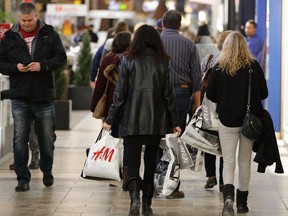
<point>134,186</point>
<point>125,177</point>
<point>148,191</point>
<point>34,164</point>
<point>228,194</point>
<point>241,201</point>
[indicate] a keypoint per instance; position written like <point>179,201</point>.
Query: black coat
<point>231,92</point>
<point>47,49</point>
<point>267,149</point>
<point>144,100</point>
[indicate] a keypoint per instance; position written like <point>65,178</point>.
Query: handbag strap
<point>107,83</point>
<point>249,90</point>
<point>208,62</point>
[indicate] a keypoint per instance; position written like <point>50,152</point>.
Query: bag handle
<point>99,135</point>
<point>249,90</point>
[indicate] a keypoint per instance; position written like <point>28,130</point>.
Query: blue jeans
<point>43,114</point>
<point>183,100</point>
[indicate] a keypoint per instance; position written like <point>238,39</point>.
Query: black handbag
<point>252,127</point>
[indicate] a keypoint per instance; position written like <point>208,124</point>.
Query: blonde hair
<point>235,54</point>
<point>221,38</point>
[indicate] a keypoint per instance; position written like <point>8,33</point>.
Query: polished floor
<point>72,195</point>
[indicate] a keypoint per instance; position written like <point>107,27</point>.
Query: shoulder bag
<point>252,127</point>
<point>99,111</point>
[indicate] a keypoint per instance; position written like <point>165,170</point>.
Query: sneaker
<point>48,179</point>
<point>33,165</point>
<point>211,182</point>
<point>155,193</point>
<point>22,186</point>
<point>176,195</point>
<point>12,166</point>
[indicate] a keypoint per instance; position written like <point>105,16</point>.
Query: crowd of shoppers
<point>150,98</point>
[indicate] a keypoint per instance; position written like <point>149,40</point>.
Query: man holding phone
<point>29,53</point>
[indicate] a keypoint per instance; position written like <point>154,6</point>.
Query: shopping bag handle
<point>99,135</point>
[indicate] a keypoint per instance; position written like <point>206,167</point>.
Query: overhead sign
<point>71,10</point>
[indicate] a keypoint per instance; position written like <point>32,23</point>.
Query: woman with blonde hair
<point>208,62</point>
<point>228,87</point>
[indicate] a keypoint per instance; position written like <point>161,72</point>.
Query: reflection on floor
<point>73,196</point>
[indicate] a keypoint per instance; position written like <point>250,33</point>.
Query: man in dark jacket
<point>29,53</point>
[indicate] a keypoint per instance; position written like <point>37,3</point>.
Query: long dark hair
<point>145,37</point>
<point>121,41</point>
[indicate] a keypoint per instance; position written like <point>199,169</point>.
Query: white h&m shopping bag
<point>105,158</point>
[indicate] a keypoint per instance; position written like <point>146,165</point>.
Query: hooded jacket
<point>47,49</point>
<point>144,101</point>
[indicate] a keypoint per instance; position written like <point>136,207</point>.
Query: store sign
<point>3,28</point>
<point>67,10</point>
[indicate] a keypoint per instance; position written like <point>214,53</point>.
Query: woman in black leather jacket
<point>144,103</point>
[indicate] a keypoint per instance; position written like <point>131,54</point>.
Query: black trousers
<point>133,149</point>
<point>210,166</point>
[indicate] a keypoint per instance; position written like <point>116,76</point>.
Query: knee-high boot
<point>148,191</point>
<point>241,201</point>
<point>134,186</point>
<point>228,194</point>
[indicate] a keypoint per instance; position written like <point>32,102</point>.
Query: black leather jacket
<point>144,100</point>
<point>47,49</point>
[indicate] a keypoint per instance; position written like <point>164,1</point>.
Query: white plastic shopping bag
<point>105,158</point>
<point>210,116</point>
<point>195,136</point>
<point>167,174</point>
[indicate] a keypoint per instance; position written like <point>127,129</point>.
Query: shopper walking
<point>185,70</point>
<point>228,87</point>
<point>29,53</point>
<point>145,104</point>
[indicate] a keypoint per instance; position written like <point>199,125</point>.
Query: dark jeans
<point>33,140</point>
<point>210,166</point>
<point>43,114</point>
<point>183,103</point>
<point>134,147</point>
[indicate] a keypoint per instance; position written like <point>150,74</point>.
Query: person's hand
<point>177,130</point>
<point>22,67</point>
<point>106,126</point>
<point>34,67</point>
<point>92,84</point>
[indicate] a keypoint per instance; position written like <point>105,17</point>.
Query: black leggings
<point>134,146</point>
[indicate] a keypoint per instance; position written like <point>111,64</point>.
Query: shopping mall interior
<point>72,195</point>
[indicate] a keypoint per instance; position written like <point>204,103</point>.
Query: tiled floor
<point>73,196</point>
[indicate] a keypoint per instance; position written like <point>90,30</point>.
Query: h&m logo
<point>103,154</point>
